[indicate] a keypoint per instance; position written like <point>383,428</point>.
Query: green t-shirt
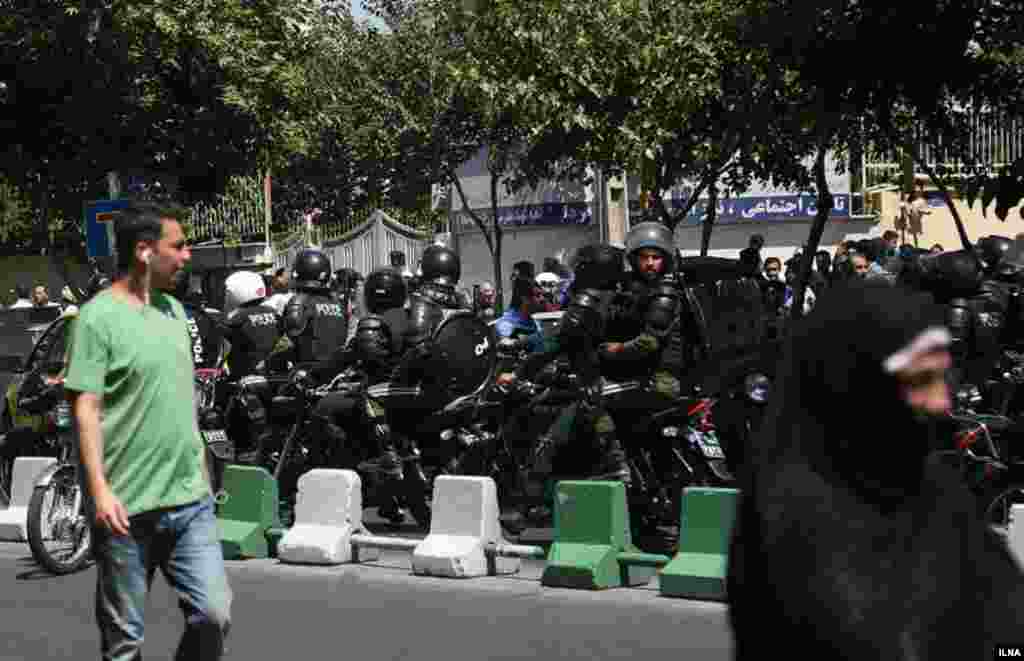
<point>140,361</point>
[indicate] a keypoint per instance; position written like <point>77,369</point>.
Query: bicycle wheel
<point>59,534</point>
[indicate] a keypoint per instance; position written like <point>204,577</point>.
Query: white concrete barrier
<point>1015,533</point>
<point>14,519</point>
<point>465,537</point>
<point>328,512</point>
<point>464,531</point>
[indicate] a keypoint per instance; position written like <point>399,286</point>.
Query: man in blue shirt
<point>518,323</point>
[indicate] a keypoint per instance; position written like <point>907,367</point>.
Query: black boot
<point>389,467</point>
<point>254,457</point>
<point>614,466</point>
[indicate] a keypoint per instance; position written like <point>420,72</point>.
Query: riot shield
<point>464,354</point>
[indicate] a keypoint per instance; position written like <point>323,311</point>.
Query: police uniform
<point>252,327</point>
<point>253,331</point>
<point>583,327</point>
<point>315,322</point>
<point>377,345</point>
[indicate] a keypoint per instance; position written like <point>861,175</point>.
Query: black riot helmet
<point>441,265</point>
<point>954,273</point>
<point>598,266</point>
<point>992,249</point>
<point>311,270</point>
<point>654,236</point>
<point>384,290</point>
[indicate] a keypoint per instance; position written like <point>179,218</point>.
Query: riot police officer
<point>252,328</point>
<point>655,348</point>
<point>433,301</point>
<point>207,339</point>
<point>598,273</point>
<point>314,321</point>
<point>377,345</point>
<point>975,308</point>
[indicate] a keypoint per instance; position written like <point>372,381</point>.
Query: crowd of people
<point>843,549</point>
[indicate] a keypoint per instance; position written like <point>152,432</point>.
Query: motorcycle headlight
<point>757,387</point>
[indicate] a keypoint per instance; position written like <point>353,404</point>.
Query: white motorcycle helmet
<point>548,282</point>
<point>243,287</point>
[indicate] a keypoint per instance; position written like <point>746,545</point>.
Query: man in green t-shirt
<point>130,383</point>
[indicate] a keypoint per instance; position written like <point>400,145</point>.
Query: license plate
<point>215,436</point>
<point>708,444</point>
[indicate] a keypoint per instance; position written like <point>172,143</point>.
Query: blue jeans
<point>184,542</point>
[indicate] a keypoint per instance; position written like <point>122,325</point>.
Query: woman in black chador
<point>850,541</point>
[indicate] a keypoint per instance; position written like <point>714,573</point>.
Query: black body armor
<point>253,331</point>
<point>428,307</point>
<point>317,325</point>
<point>379,342</point>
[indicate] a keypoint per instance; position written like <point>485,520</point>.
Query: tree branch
<point>916,157</point>
<point>472,214</point>
<point>825,203</point>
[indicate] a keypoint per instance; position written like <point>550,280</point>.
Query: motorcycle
<point>983,451</point>
<point>58,527</point>
<point>59,530</point>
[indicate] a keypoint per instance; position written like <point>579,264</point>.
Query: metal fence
<point>990,142</point>
<point>237,214</point>
<point>365,247</point>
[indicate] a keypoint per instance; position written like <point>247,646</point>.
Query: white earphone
<point>146,256</point>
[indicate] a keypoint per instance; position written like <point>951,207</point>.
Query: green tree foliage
<point>661,89</point>
<point>203,89</point>
<point>816,43</point>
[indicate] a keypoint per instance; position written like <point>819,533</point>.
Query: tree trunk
<point>825,202</point>
<point>709,219</point>
<point>499,288</point>
<point>946,197</point>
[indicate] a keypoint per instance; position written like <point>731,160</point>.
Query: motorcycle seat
<point>283,401</point>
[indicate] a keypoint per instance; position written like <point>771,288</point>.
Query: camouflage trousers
<point>664,385</point>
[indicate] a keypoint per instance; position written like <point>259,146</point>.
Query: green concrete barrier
<point>592,547</point>
<point>698,570</point>
<point>248,512</point>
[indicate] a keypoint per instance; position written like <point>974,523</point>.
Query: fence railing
<point>991,142</point>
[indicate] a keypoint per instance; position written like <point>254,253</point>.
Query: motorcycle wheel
<point>996,508</point>
<point>59,534</point>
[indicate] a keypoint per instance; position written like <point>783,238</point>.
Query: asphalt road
<point>373,611</point>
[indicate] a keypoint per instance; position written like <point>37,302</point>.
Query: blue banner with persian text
<point>756,208</point>
<point>531,215</point>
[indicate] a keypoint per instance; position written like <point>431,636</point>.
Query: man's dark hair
<point>522,288</point>
<point>889,234</point>
<point>523,269</point>
<point>773,260</point>
<point>21,290</point>
<point>139,221</point>
<point>279,272</point>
